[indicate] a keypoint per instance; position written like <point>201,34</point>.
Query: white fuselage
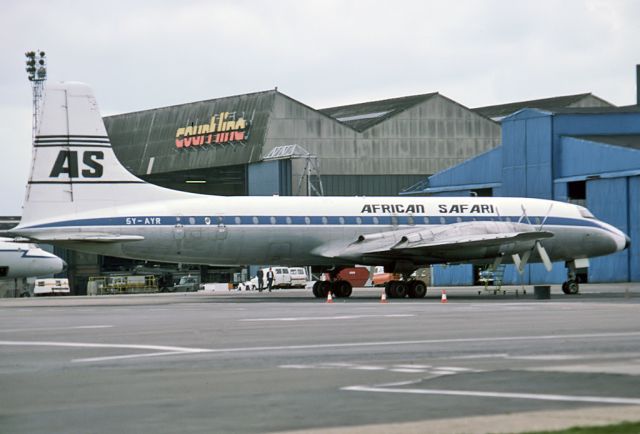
<point>310,230</point>
<point>19,260</point>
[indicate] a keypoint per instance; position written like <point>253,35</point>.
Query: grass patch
<point>622,428</point>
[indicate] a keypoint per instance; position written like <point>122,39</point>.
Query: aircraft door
<point>178,234</point>
<point>221,230</point>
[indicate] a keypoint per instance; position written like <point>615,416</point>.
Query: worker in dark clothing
<point>260,276</point>
<point>270,277</point>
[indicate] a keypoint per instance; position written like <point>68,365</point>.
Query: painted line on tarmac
<point>325,318</point>
<point>160,350</point>
<point>505,395</point>
<point>40,329</point>
<point>185,350</point>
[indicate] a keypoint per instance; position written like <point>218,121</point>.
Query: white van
<point>51,287</point>
<point>299,277</point>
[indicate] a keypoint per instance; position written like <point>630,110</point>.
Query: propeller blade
<point>545,217</point>
<point>544,256</point>
<point>524,215</point>
<point>517,262</point>
<point>521,262</point>
<point>497,262</point>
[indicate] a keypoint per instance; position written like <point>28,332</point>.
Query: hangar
<point>587,156</point>
<point>222,146</point>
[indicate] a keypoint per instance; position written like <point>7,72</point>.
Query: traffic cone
<point>444,297</point>
<point>383,297</point>
<point>329,297</point>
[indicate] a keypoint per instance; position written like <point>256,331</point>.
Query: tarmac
<point>248,362</point>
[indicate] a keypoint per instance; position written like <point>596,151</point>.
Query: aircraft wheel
<point>570,287</point>
<point>343,288</point>
<point>323,289</point>
<point>390,289</point>
<point>417,289</point>
<point>401,289</point>
<point>315,289</point>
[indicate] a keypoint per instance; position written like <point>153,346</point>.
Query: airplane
<point>19,260</point>
<point>79,196</point>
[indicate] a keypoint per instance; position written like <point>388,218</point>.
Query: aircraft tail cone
<point>383,297</point>
<point>329,297</point>
<point>444,297</point>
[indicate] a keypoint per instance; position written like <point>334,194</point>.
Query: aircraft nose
<point>64,266</point>
<point>627,241</point>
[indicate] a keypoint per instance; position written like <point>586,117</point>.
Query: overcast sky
<point>145,54</point>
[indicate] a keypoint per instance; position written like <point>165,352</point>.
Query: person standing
<point>270,277</point>
<point>260,276</point>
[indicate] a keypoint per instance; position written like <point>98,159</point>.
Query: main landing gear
<point>571,286</point>
<point>338,288</point>
<point>401,289</point>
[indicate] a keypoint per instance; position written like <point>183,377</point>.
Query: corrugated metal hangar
<point>589,156</point>
<point>375,148</point>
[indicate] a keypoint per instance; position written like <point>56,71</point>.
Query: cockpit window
<point>585,213</point>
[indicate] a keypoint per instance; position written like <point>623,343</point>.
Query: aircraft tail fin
<point>74,168</point>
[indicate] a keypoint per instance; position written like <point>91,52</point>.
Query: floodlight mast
<point>37,74</point>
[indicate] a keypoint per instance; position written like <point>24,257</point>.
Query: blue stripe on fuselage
<point>150,221</point>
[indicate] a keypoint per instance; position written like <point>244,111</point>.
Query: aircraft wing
<point>439,241</point>
<point>92,237</point>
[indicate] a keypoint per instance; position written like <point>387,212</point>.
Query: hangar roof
<point>550,104</point>
<point>365,115</point>
<point>627,141</point>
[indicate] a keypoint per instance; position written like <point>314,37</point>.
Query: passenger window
<point>272,220</point>
<point>307,220</point>
<point>256,220</point>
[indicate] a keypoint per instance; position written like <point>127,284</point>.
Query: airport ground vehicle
<point>51,286</point>
<point>298,276</point>
<point>187,284</point>
<point>380,277</point>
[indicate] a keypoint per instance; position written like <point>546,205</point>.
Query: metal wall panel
<point>366,185</point>
<point>579,157</point>
<point>148,135</point>
<point>608,200</point>
<point>422,140</point>
<point>452,275</point>
<point>483,169</point>
<point>634,228</point>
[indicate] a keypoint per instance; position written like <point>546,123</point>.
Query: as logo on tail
<point>67,162</point>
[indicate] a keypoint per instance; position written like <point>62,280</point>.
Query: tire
<point>390,289</point>
<point>342,288</point>
<point>417,289</point>
<point>401,289</point>
<point>323,289</point>
<point>570,287</point>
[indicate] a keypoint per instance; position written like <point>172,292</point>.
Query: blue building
<point>588,156</point>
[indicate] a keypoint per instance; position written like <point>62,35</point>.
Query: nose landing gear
<point>571,286</point>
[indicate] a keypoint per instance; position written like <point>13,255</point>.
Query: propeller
<point>544,256</point>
